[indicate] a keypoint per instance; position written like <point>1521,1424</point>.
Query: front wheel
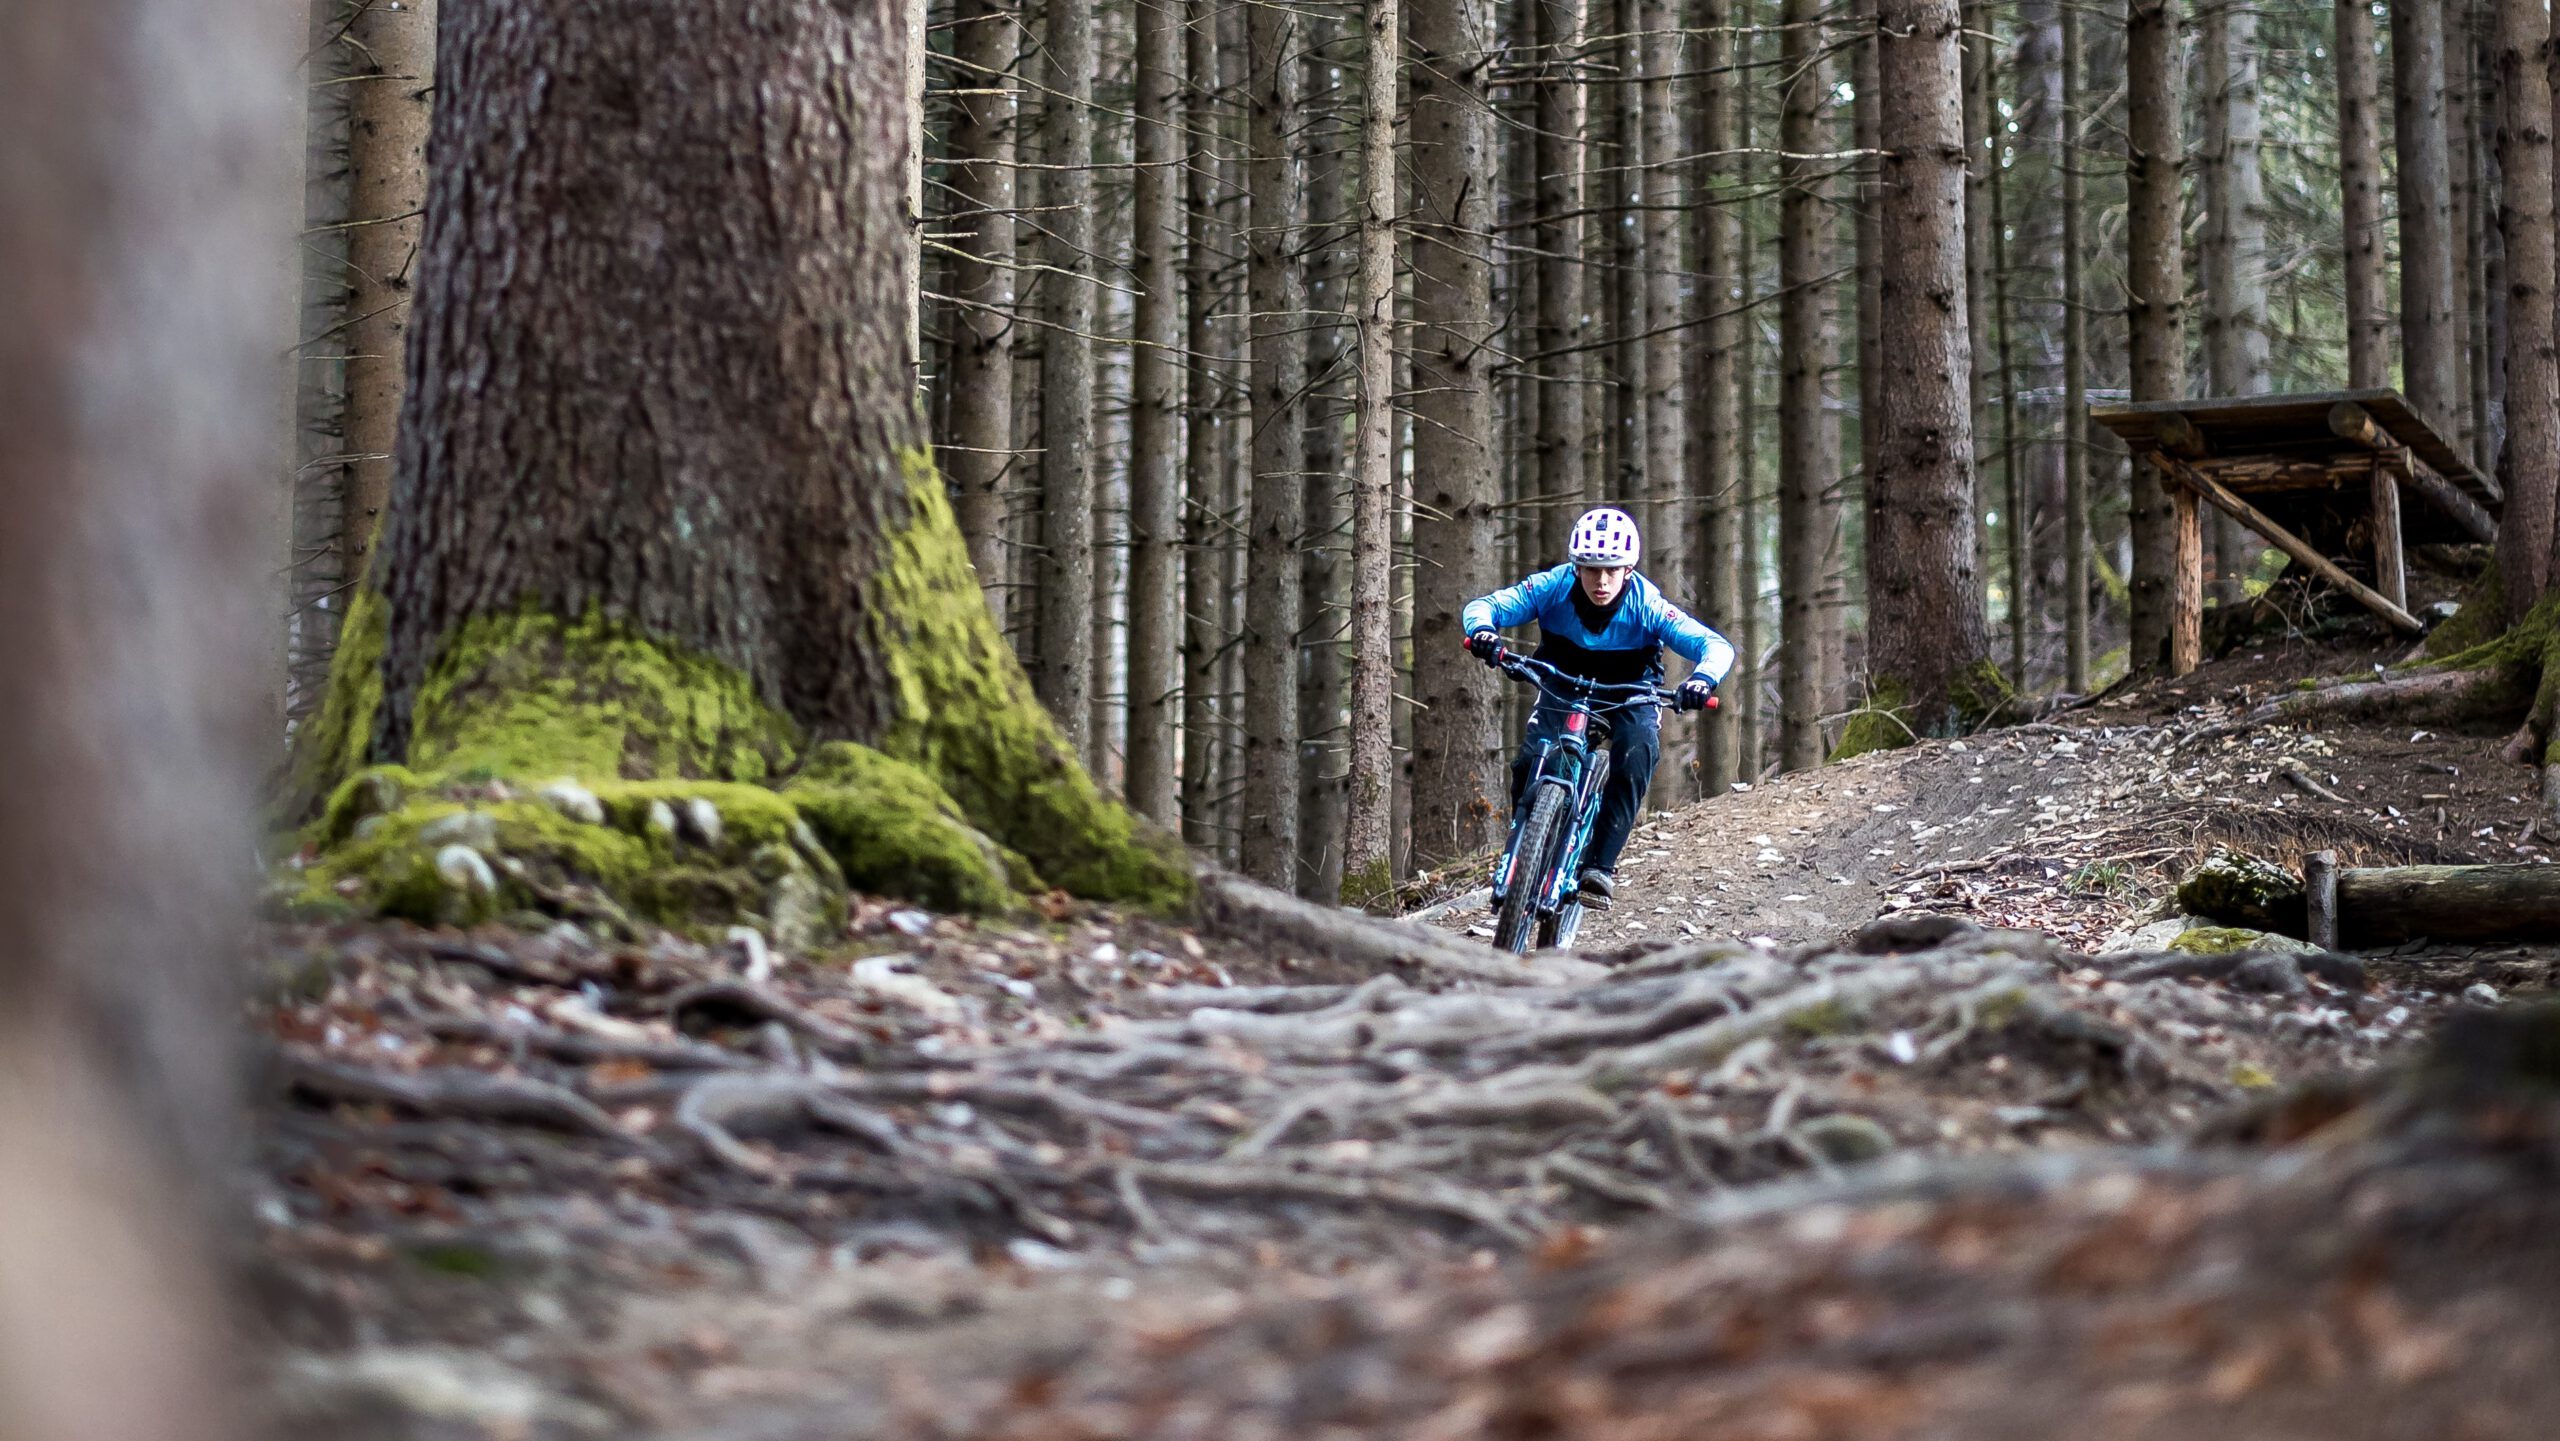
<point>1540,837</point>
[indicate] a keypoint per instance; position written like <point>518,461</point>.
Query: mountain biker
<point>1601,621</point>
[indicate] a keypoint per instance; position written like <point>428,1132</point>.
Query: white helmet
<point>1606,536</point>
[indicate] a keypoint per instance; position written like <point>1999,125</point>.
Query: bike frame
<point>1566,762</point>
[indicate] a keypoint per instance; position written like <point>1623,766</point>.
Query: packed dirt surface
<point>1858,1158</point>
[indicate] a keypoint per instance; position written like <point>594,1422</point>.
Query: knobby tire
<point>1540,835</point>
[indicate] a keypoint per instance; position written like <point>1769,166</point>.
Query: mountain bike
<point>1537,889</point>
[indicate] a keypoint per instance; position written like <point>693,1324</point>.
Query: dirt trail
<point>1092,1176</point>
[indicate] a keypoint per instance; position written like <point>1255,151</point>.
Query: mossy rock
<point>2242,890</point>
<point>2229,940</point>
<point>1977,695</point>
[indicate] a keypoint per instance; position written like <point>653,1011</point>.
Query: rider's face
<point>1601,583</point>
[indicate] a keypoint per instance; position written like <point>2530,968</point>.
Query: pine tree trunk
<point>2430,347</point>
<point>2014,499</point>
<point>2360,183</point>
<point>1204,582</point>
<point>1367,862</point>
<point>388,113</point>
<point>2155,297</point>
<point>1155,423</point>
<point>1715,396</point>
<point>1627,292</point>
<point>2460,212</point>
<point>1803,259</point>
<point>978,459</point>
<point>1746,370</point>
<point>2233,253</point>
<point>1276,301</point>
<point>1976,73</point>
<point>2042,427</point>
<point>1456,783</point>
<point>1665,437</point>
<point>1563,432</point>
<point>1062,658</point>
<point>2470,44</point>
<point>145,290</point>
<point>2525,531</point>
<point>666,513</point>
<point>1323,614</point>
<point>2076,538</point>
<point>2533,369</point>
<point>1925,625</point>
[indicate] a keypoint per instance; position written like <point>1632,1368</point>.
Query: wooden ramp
<point>2320,476</point>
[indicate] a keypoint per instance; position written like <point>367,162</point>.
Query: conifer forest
<point>773,719</point>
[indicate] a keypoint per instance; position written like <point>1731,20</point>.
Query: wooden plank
<point>2235,425</point>
<point>2286,541</point>
<point>2352,422</point>
<point>2390,567</point>
<point>2186,595</point>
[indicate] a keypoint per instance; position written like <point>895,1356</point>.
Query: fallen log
<point>2382,906</point>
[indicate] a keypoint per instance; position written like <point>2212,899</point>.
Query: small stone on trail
<point>574,801</point>
<point>662,822</point>
<point>910,923</point>
<point>1889,934</point>
<point>702,822</point>
<point>462,868</point>
<point>476,829</point>
<point>1845,1140</point>
<point>2481,993</point>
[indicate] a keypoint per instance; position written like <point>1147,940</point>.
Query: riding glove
<point>1485,646</point>
<point>1695,693</point>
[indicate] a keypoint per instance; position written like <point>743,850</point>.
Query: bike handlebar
<point>1535,672</point>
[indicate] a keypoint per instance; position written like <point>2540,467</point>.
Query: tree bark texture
<point>1976,71</point>
<point>2155,299</point>
<point>2387,905</point>
<point>2431,372</point>
<point>978,458</point>
<point>1715,395</point>
<point>1205,334</point>
<point>1276,301</point>
<point>1624,149</point>
<point>2076,539</point>
<point>1323,615</point>
<point>1062,658</point>
<point>1368,817</point>
<point>1155,423</point>
<point>642,409</point>
<point>1563,434</point>
<point>2235,258</point>
<point>387,117</point>
<point>1457,795</point>
<point>1803,259</point>
<point>1665,436</point>
<point>1925,624</point>
<point>2360,183</point>
<point>2533,367</point>
<point>144,197</point>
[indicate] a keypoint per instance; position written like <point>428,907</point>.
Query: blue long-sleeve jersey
<point>1618,646</point>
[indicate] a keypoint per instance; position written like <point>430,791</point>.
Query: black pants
<point>1635,746</point>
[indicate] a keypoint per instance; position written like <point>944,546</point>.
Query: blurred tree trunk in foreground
<point>138,445</point>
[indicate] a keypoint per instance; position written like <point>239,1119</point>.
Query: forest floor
<point>1868,1126</point>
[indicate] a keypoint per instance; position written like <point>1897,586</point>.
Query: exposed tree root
<point>1274,1183</point>
<point>454,1092</point>
<point>1235,907</point>
<point>2437,695</point>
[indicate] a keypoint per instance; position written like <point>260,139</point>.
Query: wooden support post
<point>2320,895</point>
<point>2286,541</point>
<point>2186,598</point>
<point>2390,569</point>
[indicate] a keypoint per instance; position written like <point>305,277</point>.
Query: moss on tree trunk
<point>670,618</point>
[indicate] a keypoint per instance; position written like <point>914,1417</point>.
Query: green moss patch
<point>2243,890</point>
<point>891,829</point>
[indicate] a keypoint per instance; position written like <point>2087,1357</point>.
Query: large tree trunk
<point>1062,658</point>
<point>387,116</point>
<point>1664,435</point>
<point>978,458</point>
<point>2155,298</point>
<point>2360,183</point>
<point>1204,588</point>
<point>1155,423</point>
<point>2076,539</point>
<point>1563,434</point>
<point>1457,797</point>
<point>1277,381</point>
<point>2533,367</point>
<point>1925,625</point>
<point>1323,614</point>
<point>1803,259</point>
<point>1368,864</point>
<point>2234,252</point>
<point>144,302</point>
<point>1714,391</point>
<point>662,508</point>
<point>2431,372</point>
<point>1746,467</point>
<point>1975,71</point>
